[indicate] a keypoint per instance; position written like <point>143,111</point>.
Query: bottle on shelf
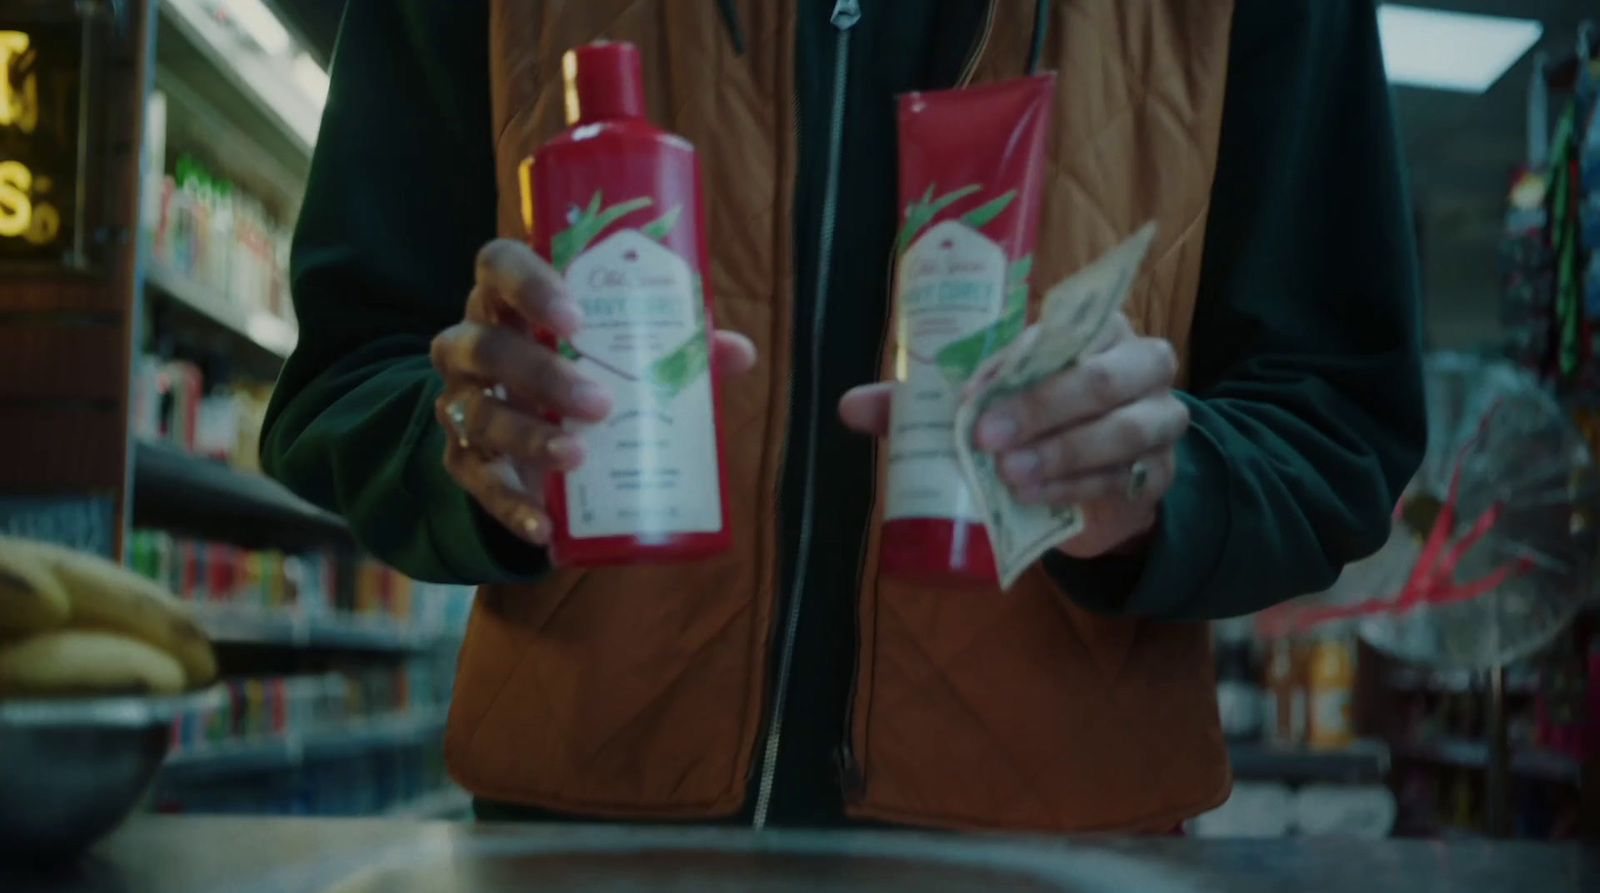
<point>1330,690</point>
<point>1285,702</point>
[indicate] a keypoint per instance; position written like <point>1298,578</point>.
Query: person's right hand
<point>500,381</point>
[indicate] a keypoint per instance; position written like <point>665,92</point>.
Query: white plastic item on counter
<point>1362,811</point>
<point>1256,810</point>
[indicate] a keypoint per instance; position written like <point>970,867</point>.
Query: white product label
<point>651,467</point>
<point>951,283</point>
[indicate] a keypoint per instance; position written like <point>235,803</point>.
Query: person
<point>1265,386</point>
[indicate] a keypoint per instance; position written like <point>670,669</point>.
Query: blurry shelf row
<point>292,749</point>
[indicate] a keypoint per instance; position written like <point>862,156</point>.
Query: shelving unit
<point>177,491</point>
<point>246,626</point>
<point>283,752</point>
<point>242,112</point>
<point>1467,753</point>
<point>1361,763</point>
<point>273,336</point>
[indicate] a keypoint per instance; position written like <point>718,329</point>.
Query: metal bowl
<point>72,770</point>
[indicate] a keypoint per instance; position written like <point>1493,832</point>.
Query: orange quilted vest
<point>641,692</point>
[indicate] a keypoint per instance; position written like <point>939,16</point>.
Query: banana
<point>79,662</point>
<point>31,599</point>
<point>106,596</point>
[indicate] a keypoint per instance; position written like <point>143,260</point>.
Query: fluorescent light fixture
<point>261,24</point>
<point>1451,50</point>
<point>311,78</point>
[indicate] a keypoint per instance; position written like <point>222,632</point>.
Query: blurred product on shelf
<point>404,781</point>
<point>1265,810</point>
<point>221,239</point>
<point>1567,718</point>
<point>410,695</point>
<point>318,584</point>
<point>1240,698</point>
<point>1330,691</point>
<point>1284,702</point>
<point>173,402</point>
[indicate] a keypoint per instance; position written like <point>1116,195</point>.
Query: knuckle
<point>1180,414</point>
<point>1100,380</point>
<point>441,349</point>
<point>1058,455</point>
<point>1132,430</point>
<point>483,348</point>
<point>1166,357</point>
<point>493,256</point>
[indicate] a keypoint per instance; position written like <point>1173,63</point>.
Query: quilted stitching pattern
<point>628,691</point>
<point>593,694</point>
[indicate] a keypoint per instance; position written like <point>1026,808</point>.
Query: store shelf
<point>1412,679</point>
<point>288,751</point>
<point>447,803</point>
<point>1364,761</point>
<point>1470,753</point>
<point>175,491</point>
<point>233,75</point>
<point>263,330</point>
<point>254,626</point>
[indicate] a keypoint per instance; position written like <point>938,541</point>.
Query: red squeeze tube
<point>971,170</point>
<point>613,203</point>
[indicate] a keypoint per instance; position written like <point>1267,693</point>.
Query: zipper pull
<point>845,14</point>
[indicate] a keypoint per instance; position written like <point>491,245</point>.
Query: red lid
<point>603,81</point>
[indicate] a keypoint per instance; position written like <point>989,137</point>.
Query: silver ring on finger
<point>456,412</point>
<point>1138,480</point>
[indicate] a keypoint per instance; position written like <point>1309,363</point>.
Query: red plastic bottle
<point>614,206</point>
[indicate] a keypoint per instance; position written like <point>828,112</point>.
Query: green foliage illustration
<point>959,359</point>
<point>590,222</point>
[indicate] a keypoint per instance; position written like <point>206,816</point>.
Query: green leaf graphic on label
<point>979,217</point>
<point>919,212</point>
<point>1020,270</point>
<point>570,242</point>
<point>659,228</point>
<point>959,359</point>
<point>680,368</point>
<point>962,357</point>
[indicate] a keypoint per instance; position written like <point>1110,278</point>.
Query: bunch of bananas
<point>75,624</point>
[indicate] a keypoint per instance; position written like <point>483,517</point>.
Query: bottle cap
<point>603,82</point>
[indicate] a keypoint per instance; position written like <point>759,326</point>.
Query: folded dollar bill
<point>1075,315</point>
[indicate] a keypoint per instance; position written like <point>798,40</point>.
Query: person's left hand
<point>1101,434</point>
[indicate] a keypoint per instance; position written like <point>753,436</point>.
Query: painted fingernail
<point>995,432</point>
<point>562,449</point>
<point>1020,465</point>
<point>590,398</point>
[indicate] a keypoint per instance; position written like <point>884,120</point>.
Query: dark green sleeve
<point>1305,367</point>
<point>400,198</point>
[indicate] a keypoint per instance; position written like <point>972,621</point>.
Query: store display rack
<point>1360,763</point>
<point>1469,753</point>
<point>180,492</point>
<point>270,334</point>
<point>234,625</point>
<point>293,749</point>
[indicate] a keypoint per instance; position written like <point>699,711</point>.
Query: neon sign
<point>41,80</point>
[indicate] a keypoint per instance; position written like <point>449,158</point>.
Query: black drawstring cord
<point>730,20</point>
<point>1041,26</point>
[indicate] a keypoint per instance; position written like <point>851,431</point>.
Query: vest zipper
<point>852,778</point>
<point>845,14</point>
